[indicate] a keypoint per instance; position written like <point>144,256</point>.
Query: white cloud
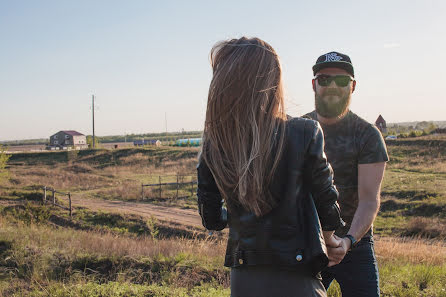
<point>391,45</point>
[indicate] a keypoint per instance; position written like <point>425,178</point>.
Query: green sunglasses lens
<point>324,80</point>
<point>340,80</point>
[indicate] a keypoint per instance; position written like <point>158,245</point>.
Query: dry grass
<point>120,181</point>
<point>413,251</point>
<point>430,227</point>
<point>59,177</point>
<point>107,244</point>
<point>135,159</point>
<point>139,166</point>
<point>181,166</point>
<point>388,249</point>
<point>121,190</point>
<point>419,158</point>
<point>423,165</point>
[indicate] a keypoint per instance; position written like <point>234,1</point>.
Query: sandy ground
<point>175,215</point>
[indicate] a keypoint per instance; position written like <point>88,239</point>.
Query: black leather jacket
<point>290,234</point>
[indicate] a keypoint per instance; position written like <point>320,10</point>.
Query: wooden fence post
<point>160,184</point>
<point>44,194</point>
<point>54,197</point>
<point>178,185</point>
<point>69,200</point>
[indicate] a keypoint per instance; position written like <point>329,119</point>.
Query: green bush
<point>28,213</point>
<point>3,161</point>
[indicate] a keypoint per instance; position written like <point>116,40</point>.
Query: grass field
<point>102,254</point>
<point>104,174</point>
<point>45,253</point>
<point>414,189</point>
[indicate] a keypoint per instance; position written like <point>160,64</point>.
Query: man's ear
<point>313,82</point>
<point>353,86</point>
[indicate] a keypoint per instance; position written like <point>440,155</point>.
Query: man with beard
<point>357,153</point>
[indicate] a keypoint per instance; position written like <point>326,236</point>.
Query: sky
<point>147,62</point>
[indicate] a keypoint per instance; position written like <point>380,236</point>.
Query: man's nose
<point>332,84</point>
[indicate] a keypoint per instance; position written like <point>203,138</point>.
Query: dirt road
<point>185,217</point>
<point>171,214</point>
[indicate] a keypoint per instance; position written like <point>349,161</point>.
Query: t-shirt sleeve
<point>373,147</point>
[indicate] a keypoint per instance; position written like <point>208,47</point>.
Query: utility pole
<point>92,109</point>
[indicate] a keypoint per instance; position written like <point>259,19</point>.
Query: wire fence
<point>55,201</point>
<point>170,186</point>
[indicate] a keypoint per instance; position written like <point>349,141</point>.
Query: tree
<point>90,142</point>
<point>3,160</point>
<point>430,128</point>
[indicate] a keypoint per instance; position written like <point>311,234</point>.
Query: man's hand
<point>332,241</point>
<point>337,253</point>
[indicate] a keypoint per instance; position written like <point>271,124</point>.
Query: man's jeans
<point>357,274</point>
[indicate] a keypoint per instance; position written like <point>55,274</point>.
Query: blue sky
<point>143,59</point>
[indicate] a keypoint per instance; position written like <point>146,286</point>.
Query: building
<point>439,131</point>
<point>189,142</point>
<point>68,139</point>
<point>381,124</point>
<point>142,142</point>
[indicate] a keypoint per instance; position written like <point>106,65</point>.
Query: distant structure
<point>439,131</point>
<point>67,140</point>
<point>381,124</point>
<point>189,142</point>
<point>142,142</point>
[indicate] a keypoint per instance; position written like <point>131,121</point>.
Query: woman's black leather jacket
<point>290,235</point>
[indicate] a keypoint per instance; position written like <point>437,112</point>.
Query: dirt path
<point>171,214</point>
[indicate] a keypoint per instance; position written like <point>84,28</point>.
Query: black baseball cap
<point>334,60</point>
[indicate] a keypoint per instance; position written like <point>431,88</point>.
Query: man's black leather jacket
<point>290,235</point>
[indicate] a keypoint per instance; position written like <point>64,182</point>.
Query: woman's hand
<point>334,244</point>
<point>337,253</point>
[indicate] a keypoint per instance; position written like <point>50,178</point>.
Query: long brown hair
<point>244,130</point>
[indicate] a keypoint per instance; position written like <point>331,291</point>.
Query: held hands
<point>337,248</point>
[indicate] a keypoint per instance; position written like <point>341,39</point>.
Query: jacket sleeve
<point>210,203</point>
<point>320,176</point>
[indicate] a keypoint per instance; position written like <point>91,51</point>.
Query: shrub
<point>29,213</point>
<point>3,160</point>
<point>152,226</point>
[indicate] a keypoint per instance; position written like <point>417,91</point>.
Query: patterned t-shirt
<point>350,142</point>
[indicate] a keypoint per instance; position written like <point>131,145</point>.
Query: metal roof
<point>72,133</point>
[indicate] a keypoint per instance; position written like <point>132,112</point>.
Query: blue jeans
<point>357,274</point>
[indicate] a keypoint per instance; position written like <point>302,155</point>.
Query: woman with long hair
<point>269,171</point>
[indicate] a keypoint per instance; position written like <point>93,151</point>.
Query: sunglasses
<point>340,80</point>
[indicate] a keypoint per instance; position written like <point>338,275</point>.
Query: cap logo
<point>332,57</point>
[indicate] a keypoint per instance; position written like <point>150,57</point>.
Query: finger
<point>333,242</point>
<point>335,257</point>
<point>331,263</point>
<point>336,251</point>
<point>334,260</point>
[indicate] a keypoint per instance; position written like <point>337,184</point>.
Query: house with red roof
<point>381,124</point>
<point>68,139</point>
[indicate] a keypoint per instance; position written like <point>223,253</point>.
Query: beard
<point>329,109</point>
